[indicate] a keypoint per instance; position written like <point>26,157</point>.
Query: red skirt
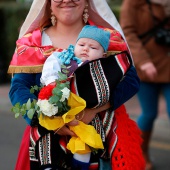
<point>23,155</point>
<point>127,154</point>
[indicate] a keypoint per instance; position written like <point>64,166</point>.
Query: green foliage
<point>62,77</point>
<point>12,16</point>
<point>35,88</point>
<point>28,108</point>
<point>115,6</point>
<point>14,19</point>
<point>61,83</point>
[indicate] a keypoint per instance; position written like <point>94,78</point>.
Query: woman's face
<point>67,11</point>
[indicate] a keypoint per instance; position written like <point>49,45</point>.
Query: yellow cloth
<point>86,134</point>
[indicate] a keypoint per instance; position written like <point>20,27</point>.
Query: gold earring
<point>85,14</point>
<point>53,19</point>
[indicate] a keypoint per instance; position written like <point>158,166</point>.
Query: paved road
<point>11,132</point>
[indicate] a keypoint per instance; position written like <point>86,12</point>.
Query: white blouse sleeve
<point>50,69</point>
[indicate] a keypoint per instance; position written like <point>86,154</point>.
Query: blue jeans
<point>148,96</point>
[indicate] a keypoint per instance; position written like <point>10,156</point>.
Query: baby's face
<point>88,49</point>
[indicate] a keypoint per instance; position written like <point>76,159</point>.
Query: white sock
<point>82,157</point>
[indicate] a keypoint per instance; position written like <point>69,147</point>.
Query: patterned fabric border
<point>44,150</point>
<point>101,85</point>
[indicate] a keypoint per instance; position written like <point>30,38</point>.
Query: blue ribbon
<point>67,55</point>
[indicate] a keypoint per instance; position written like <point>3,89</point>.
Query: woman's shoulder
<point>28,38</point>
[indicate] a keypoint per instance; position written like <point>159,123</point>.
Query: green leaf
<point>62,76</point>
<point>57,92</point>
<point>61,86</point>
<point>36,87</point>
<point>17,105</point>
<point>64,66</point>
<point>32,90</point>
<point>60,104</point>
<point>28,104</point>
<point>37,108</point>
<point>54,99</point>
<point>24,107</point>
<point>67,83</point>
<point>23,112</point>
<point>33,104</point>
<point>15,109</point>
<point>65,71</point>
<point>17,115</point>
<point>30,113</point>
<point>68,107</point>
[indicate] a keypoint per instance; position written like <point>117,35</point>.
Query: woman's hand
<point>149,70</point>
<point>87,115</point>
<point>65,129</point>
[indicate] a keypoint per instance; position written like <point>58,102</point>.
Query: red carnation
<point>46,92</point>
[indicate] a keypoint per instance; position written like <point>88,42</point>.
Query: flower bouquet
<point>56,106</point>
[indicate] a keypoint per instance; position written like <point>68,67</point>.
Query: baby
<point>92,43</point>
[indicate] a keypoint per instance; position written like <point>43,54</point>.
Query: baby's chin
<point>83,59</point>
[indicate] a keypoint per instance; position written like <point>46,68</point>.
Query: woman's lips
<point>68,6</point>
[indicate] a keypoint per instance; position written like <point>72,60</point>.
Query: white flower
<point>66,94</point>
<point>47,108</point>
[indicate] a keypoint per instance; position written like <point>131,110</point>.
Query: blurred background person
<point>146,25</point>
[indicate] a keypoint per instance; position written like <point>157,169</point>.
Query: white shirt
<point>52,65</point>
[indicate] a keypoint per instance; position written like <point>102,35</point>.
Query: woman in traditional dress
<point>51,25</point>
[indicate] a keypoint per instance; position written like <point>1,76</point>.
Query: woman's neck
<point>64,35</point>
<point>69,29</point>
